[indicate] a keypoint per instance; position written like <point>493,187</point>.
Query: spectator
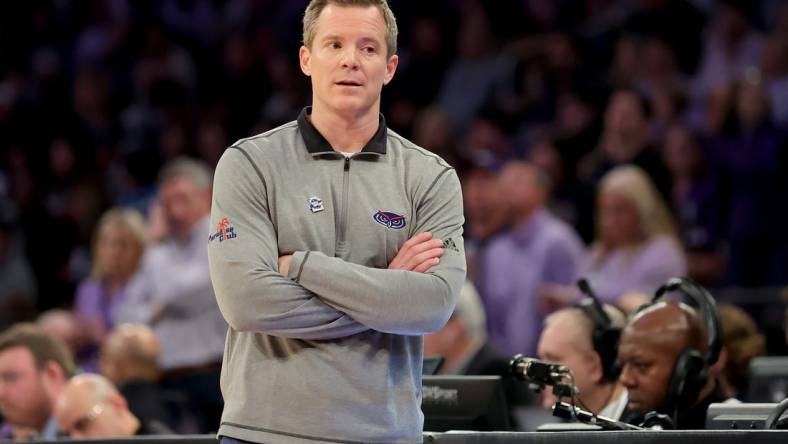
<point>698,200</point>
<point>35,367</point>
<point>91,407</point>
<point>118,246</point>
<point>624,140</point>
<point>539,249</point>
<point>130,360</point>
<point>741,342</point>
<point>568,339</point>
<point>635,249</point>
<point>17,286</point>
<point>462,342</point>
<point>62,324</point>
<point>749,152</point>
<point>731,46</point>
<point>173,292</point>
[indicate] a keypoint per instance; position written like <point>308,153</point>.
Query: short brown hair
<point>315,7</point>
<point>43,346</point>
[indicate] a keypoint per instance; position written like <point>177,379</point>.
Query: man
<point>34,368</point>
<point>538,250</point>
<point>130,360</point>
<point>172,291</point>
<point>567,339</point>
<point>91,407</point>
<point>337,244</point>
<point>649,348</point>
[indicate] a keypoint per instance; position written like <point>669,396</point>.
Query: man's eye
<point>369,50</point>
<point>335,45</point>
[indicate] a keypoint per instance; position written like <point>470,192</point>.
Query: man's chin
<point>638,407</point>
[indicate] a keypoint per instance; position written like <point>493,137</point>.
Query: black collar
<point>317,144</point>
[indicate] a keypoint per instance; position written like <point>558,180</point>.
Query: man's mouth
<point>348,83</point>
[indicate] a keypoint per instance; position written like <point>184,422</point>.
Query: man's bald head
<point>649,347</point>
<point>131,351</point>
<point>674,324</point>
<point>91,406</point>
<point>567,339</point>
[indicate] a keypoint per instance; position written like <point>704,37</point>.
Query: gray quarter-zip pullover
<point>333,351</point>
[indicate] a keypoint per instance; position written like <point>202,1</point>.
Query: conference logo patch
<point>224,231</point>
<point>389,219</point>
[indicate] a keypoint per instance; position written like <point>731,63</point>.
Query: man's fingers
<point>427,255</point>
<point>426,265</point>
<point>417,239</point>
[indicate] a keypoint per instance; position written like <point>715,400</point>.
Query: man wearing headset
<point>655,370</point>
<point>570,338</point>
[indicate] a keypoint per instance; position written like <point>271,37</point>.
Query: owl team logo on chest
<point>389,219</point>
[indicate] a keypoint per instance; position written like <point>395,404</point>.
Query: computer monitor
<point>464,403</point>
<point>768,379</point>
<point>431,365</point>
<point>741,416</point>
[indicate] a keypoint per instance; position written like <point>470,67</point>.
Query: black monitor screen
<point>464,403</point>
<point>768,379</point>
<point>732,416</point>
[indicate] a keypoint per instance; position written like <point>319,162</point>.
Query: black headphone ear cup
<point>686,380</point>
<point>606,346</point>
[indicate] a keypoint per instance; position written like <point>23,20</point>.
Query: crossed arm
<point>256,294</point>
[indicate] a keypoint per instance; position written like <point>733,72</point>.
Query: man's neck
<point>601,396</point>
<point>524,215</point>
<point>347,133</point>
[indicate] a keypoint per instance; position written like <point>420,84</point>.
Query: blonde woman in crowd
<point>118,245</point>
<point>635,249</point>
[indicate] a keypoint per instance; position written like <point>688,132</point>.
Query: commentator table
<point>666,437</point>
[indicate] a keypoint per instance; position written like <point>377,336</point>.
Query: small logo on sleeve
<point>224,231</point>
<point>449,244</point>
<point>315,204</point>
<point>389,219</point>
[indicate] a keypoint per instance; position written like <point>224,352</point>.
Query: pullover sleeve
<point>398,301</point>
<point>243,257</point>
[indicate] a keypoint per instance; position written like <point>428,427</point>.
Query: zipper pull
<point>347,163</point>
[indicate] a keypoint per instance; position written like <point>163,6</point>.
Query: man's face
<point>82,416</point>
<point>347,60</point>
<point>559,344</point>
<point>184,204</point>
<point>23,400</point>
<point>647,362</point>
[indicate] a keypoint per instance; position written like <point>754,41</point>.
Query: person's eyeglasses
<point>81,425</point>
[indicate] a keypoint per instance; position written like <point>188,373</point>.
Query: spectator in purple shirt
<point>117,248</point>
<point>749,152</point>
<point>636,248</point>
<point>538,249</point>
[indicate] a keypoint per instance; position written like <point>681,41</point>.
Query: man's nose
<point>626,378</point>
<point>349,58</point>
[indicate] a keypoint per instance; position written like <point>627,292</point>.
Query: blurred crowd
<point>625,141</point>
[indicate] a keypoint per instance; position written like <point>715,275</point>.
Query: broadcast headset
<point>605,334</point>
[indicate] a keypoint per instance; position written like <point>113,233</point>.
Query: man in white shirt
<point>568,339</point>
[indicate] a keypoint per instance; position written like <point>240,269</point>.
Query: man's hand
<point>284,264</point>
<point>419,254</point>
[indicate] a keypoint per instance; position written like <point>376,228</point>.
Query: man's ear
<point>595,367</point>
<point>391,68</point>
<point>52,378</point>
<point>304,56</point>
